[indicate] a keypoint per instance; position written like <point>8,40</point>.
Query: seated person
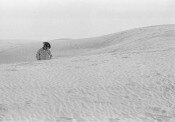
<point>44,53</point>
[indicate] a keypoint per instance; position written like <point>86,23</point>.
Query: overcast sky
<point>54,19</point>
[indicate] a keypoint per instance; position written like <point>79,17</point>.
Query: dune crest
<point>126,40</point>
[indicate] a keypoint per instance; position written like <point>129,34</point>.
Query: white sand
<point>124,77</point>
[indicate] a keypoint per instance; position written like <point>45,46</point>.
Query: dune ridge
<point>74,47</point>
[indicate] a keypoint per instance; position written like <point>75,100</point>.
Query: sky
<point>55,19</point>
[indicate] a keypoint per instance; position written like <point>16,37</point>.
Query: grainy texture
<point>131,81</point>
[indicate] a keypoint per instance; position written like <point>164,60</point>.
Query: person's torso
<point>44,54</point>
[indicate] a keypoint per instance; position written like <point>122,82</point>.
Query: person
<point>44,53</point>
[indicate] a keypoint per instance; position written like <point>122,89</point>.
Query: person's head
<point>46,45</point>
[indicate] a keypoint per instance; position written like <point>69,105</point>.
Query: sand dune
<point>122,77</point>
<point>22,52</point>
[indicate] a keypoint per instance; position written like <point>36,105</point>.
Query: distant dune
<point>22,52</point>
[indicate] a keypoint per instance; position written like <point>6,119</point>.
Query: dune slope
<point>131,78</point>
